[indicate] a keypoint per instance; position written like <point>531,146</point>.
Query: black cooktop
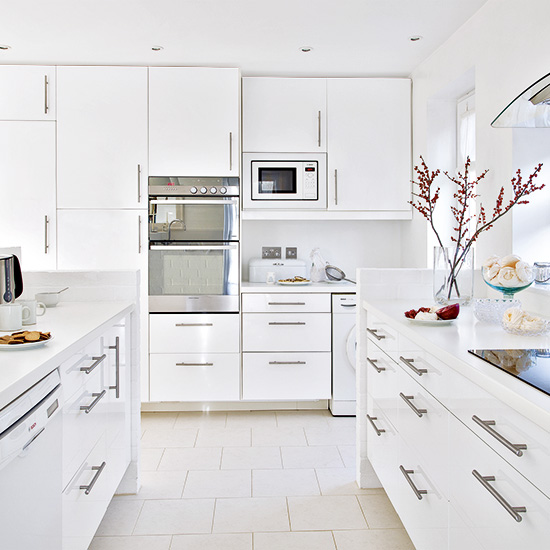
<point>532,366</point>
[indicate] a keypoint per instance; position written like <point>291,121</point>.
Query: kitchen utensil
<point>37,309</point>
<point>11,280</point>
<point>336,274</point>
<point>12,316</point>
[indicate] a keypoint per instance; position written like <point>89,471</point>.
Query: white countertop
<point>327,287</point>
<point>70,324</point>
<point>450,343</point>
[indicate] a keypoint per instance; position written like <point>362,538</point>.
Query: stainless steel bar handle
<point>198,247</point>
<point>409,363</point>
<point>98,471</point>
<point>32,440</point>
<point>116,387</point>
<point>139,234</point>
<point>194,324</point>
<point>98,397</point>
<point>371,419</point>
<point>348,305</point>
<point>286,303</point>
<point>139,182</point>
<point>418,492</point>
<point>194,364</point>
<point>194,202</point>
<point>408,398</point>
<point>376,367</point>
<point>278,323</point>
<point>96,361</point>
<point>374,331</point>
<point>319,129</point>
<point>335,186</point>
<point>46,94</point>
<point>514,511</point>
<point>516,448</point>
<point>287,362</point>
<point>46,234</point>
<point>230,151</point>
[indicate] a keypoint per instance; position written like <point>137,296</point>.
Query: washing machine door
<point>351,347</point>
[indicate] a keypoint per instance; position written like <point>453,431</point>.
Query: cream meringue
<point>524,272</point>
<point>490,261</point>
<point>513,317</point>
<point>493,271</point>
<point>425,316</point>
<point>509,261</point>
<point>507,277</point>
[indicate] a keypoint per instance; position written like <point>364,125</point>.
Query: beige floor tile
<point>247,515</point>
<point>318,540</point>
<point>232,541</point>
<point>311,457</point>
<point>284,483</point>
<point>207,458</point>
<point>120,517</point>
<point>198,419</point>
<point>223,437</point>
<point>158,419</point>
<point>154,438</point>
<point>171,517</point>
<point>379,512</point>
<point>278,437</point>
<point>373,539</point>
<point>339,421</point>
<point>218,484</point>
<point>160,485</point>
<point>150,459</point>
<point>251,419</point>
<point>322,513</point>
<point>340,481</point>
<point>347,452</point>
<point>130,543</point>
<point>302,418</point>
<point>251,458</point>
<point>344,435</point>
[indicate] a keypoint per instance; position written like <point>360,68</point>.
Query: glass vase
<point>453,278</point>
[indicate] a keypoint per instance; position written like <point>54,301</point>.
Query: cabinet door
<point>284,115</point>
<point>27,93</point>
<point>102,239</point>
<point>102,137</point>
<point>194,120</point>
<point>369,144</point>
<point>27,180</point>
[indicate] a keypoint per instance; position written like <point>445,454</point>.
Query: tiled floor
<point>250,481</point>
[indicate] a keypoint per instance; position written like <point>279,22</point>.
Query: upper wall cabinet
<point>27,93</point>
<point>284,115</point>
<point>102,137</point>
<point>194,121</point>
<point>369,145</point>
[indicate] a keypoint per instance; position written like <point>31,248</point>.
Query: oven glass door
<point>193,219</point>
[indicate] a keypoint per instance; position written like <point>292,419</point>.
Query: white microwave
<point>284,180</point>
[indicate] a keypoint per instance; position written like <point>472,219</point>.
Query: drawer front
<point>286,332</point>
<point>273,303</point>
<point>489,520</point>
<point>380,333</point>
<point>195,377</point>
<point>194,333</point>
<point>382,377</point>
<point>286,376</point>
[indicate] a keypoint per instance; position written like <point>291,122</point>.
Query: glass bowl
<point>491,310</point>
<point>524,332</point>
<point>508,291</point>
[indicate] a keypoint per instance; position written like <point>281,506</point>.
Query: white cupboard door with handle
<point>284,115</point>
<point>194,121</point>
<point>27,180</point>
<point>369,144</point>
<point>27,92</point>
<point>102,137</point>
<point>102,239</point>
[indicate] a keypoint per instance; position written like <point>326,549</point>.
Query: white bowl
<point>49,299</point>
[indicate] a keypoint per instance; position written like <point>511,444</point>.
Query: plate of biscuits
<point>24,339</point>
<point>294,281</point>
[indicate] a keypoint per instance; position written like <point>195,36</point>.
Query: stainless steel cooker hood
<point>531,109</point>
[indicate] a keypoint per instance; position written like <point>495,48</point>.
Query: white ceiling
<point>348,37</point>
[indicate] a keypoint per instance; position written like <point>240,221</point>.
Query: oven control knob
<point>203,190</point>
<point>223,190</point>
<point>193,190</point>
<point>213,190</point>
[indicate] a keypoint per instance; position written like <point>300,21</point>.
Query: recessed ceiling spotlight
<point>4,47</point>
<point>415,38</point>
<point>306,49</point>
<point>157,48</point>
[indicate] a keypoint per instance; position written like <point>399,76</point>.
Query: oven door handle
<point>194,202</point>
<point>195,247</point>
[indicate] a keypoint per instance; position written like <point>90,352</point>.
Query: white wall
<point>505,45</point>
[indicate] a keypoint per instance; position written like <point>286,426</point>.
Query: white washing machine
<point>344,344</point>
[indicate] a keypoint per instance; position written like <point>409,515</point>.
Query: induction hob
<point>532,366</point>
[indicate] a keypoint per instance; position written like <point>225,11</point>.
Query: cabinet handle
<point>409,363</point>
<point>418,492</point>
<point>230,151</point>
<point>98,397</point>
<point>286,303</point>
<point>374,331</point>
<point>33,438</point>
<point>116,387</point>
<point>516,448</point>
<point>98,471</point>
<point>139,234</point>
<point>96,362</point>
<point>408,398</point>
<point>139,182</point>
<point>376,367</point>
<point>46,94</point>
<point>287,362</point>
<point>371,419</point>
<point>194,324</point>
<point>46,234</point>
<point>194,364</point>
<point>319,129</point>
<point>280,324</point>
<point>335,187</point>
<point>514,511</point>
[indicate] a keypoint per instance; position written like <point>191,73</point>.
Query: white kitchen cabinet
<point>284,115</point>
<point>102,239</point>
<point>27,178</point>
<point>369,145</point>
<point>102,137</point>
<point>194,121</point>
<point>27,92</point>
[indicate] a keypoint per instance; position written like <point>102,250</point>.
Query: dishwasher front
<point>30,468</point>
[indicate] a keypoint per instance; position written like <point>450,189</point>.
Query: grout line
<point>221,459</point>
<point>305,435</point>
<point>318,483</point>
<point>196,438</point>
<point>171,541</point>
<point>251,483</point>
<point>160,459</point>
<point>341,457</point>
<point>184,483</point>
<point>281,455</point>
<point>334,540</point>
<point>288,514</point>
<point>213,516</point>
<point>362,511</point>
<point>138,516</point>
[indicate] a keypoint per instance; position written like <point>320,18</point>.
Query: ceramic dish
<point>297,283</point>
<point>26,345</point>
<point>430,322</point>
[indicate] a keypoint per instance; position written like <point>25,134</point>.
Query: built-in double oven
<point>193,244</point>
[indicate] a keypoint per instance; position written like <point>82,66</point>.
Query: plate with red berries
<point>433,316</point>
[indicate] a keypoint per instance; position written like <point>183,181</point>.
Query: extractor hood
<point>531,109</point>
